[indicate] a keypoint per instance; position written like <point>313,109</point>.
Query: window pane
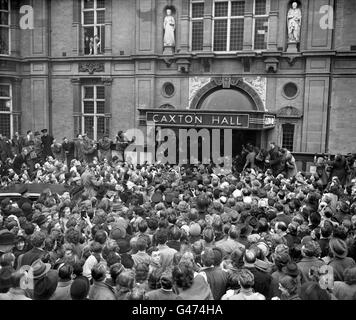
<point>237,8</point>
<point>88,4</point>
<point>4,18</point>
<point>100,16</point>
<point>198,10</point>
<point>4,91</point>
<point>236,34</point>
<point>88,92</point>
<point>260,7</point>
<point>100,127</point>
<point>221,9</point>
<point>261,33</point>
<point>100,107</point>
<point>89,126</point>
<point>197,35</point>
<point>100,92</point>
<point>288,136</point>
<point>4,4</point>
<point>101,34</point>
<point>5,105</point>
<point>5,125</point>
<point>4,40</point>
<point>220,35</point>
<point>88,106</point>
<point>88,17</point>
<point>100,3</point>
<point>88,34</point>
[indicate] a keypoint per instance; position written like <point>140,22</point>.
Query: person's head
<point>311,249</point>
<point>126,279</point>
<point>141,244</point>
<point>65,272</point>
<point>350,276</point>
<point>115,270</point>
<point>294,5</point>
<point>272,145</point>
<point>38,239</point>
<point>166,281</point>
<point>288,286</point>
<point>141,272</point>
<point>208,257</point>
<point>99,272</point>
<point>156,257</point>
<point>79,289</point>
<point>7,259</point>
<point>183,275</point>
<point>246,279</point>
<point>249,257</point>
<point>161,236</point>
<point>169,12</point>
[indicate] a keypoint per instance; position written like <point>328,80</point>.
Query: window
<point>93,111</point>
<point>6,110</point>
<point>4,27</point>
<point>168,89</point>
<point>197,31</point>
<point>261,11</point>
<point>290,90</point>
<point>93,21</point>
<point>288,136</point>
<point>228,25</point>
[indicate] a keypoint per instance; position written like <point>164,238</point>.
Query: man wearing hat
<point>7,241</point>
<point>38,242</point>
<point>340,260</point>
<point>47,142</point>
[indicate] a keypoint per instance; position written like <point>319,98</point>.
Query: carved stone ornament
<point>289,112</point>
<point>91,67</point>
<point>227,82</point>
<point>195,84</point>
<point>259,84</point>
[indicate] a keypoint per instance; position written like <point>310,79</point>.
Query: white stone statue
<point>169,27</point>
<point>294,21</point>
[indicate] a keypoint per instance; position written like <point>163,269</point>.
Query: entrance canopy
<point>197,118</point>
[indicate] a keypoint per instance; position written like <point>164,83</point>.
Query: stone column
<point>108,93</point>
<point>208,25</point>
<point>77,109</point>
<point>77,46</point>
<point>108,27</point>
<point>273,26</point>
<point>248,26</point>
<point>184,27</point>
<point>16,104</point>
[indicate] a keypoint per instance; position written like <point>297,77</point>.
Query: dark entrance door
<point>242,137</point>
<point>239,138</point>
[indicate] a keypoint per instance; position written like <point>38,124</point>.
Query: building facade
<point>100,66</point>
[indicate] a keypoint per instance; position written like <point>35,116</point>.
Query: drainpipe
<point>49,64</point>
<point>331,76</point>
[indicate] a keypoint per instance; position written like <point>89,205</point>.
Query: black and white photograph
<point>196,151</point>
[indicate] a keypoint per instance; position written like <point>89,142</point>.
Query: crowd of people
<point>264,231</point>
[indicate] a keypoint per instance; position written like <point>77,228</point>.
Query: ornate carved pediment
<point>226,82</point>
<point>289,112</point>
<point>91,67</point>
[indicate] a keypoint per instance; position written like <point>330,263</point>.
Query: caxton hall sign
<point>208,119</point>
<point>199,119</point>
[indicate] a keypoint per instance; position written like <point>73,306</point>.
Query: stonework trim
<point>227,82</point>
